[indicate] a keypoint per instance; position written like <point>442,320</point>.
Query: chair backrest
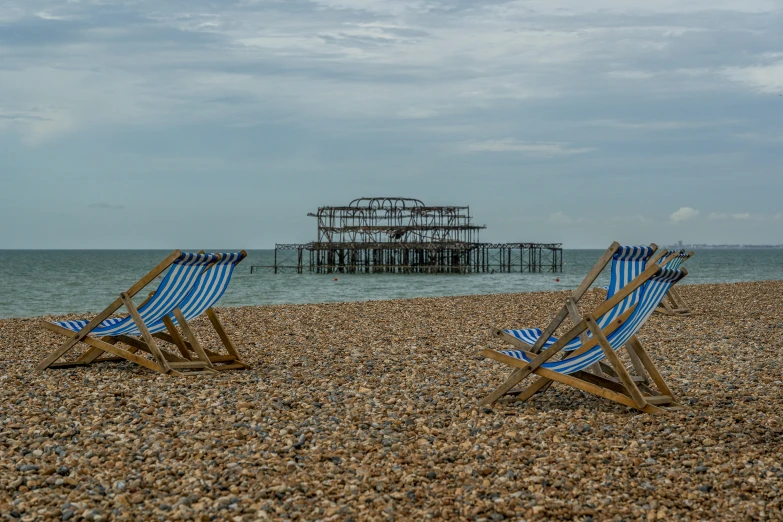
<point>651,294</point>
<point>676,262</point>
<point>210,287</point>
<point>172,290</point>
<point>627,263</point>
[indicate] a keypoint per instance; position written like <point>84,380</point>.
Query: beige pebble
<point>368,411</point>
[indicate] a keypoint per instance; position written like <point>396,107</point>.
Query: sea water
<point>44,282</point>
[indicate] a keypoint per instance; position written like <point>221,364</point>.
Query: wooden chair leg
<point>515,378</point>
<point>145,333</point>
<point>616,364</point>
<point>637,364</point>
<point>224,338</point>
<point>177,338</point>
<point>114,350</point>
<point>664,307</point>
<point>635,345</point>
<point>75,338</point>
<point>598,390</point>
<point>92,354</point>
<point>681,306</point>
<point>191,337</point>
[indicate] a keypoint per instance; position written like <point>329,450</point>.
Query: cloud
<point>36,125</point>
<point>762,78</point>
<point>651,125</point>
<point>148,62</point>
<point>739,216</point>
<point>540,148</point>
<point>683,214</point>
<point>603,96</point>
<point>560,218</point>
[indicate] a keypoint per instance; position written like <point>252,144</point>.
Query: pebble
<point>367,411</point>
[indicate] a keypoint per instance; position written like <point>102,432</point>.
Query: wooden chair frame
<point>218,362</point>
<point>164,362</point>
<point>673,302</point>
<point>188,344</point>
<point>619,386</point>
<point>570,310</point>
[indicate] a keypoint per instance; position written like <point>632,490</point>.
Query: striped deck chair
<point>627,263</point>
<point>207,290</point>
<point>104,332</point>
<point>652,284</point>
<point>673,303</point>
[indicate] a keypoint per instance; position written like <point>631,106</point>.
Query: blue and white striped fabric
<point>676,262</point>
<point>652,291</point>
<point>173,289</point>
<point>209,288</point>
<point>627,263</point>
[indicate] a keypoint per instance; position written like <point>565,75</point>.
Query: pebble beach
<point>367,411</point>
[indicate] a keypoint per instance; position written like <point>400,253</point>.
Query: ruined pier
<point>403,235</point>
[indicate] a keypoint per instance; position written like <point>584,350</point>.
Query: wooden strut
<point>176,338</point>
<point>682,306</point>
<point>673,302</point>
<point>191,337</point>
<point>232,361</point>
<point>594,384</point>
<point>145,334</point>
<point>214,360</point>
<point>615,363</point>
<point>591,384</point>
<point>107,347</point>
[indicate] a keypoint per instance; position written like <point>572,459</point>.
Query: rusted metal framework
<point>403,235</point>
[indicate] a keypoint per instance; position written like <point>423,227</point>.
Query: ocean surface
<point>52,282</point>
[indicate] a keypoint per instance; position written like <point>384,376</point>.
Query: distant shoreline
<point>725,247</point>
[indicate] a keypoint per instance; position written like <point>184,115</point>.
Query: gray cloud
<point>274,108</point>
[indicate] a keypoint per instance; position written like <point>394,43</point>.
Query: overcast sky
<point>190,124</point>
